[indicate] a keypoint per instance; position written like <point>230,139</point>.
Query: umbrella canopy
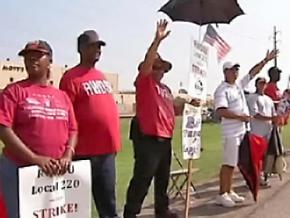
<point>202,12</point>
<point>251,153</point>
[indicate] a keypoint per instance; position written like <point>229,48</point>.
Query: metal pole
<point>275,45</point>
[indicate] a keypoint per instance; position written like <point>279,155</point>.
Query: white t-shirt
<point>263,105</point>
<point>232,97</point>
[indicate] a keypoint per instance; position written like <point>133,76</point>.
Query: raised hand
<point>161,30</point>
<point>271,55</point>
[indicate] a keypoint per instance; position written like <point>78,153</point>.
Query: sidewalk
<point>204,205</point>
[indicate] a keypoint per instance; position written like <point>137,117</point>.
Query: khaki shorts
<point>231,150</point>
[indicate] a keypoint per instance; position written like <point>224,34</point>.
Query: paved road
<point>277,206</point>
<point>272,203</point>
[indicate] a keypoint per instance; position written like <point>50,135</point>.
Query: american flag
<point>212,37</point>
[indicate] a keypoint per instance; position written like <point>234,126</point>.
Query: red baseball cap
<point>38,45</point>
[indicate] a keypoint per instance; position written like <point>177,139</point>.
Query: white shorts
<point>231,150</point>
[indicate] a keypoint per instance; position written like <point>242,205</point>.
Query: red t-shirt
<point>273,92</point>
<point>41,116</point>
<point>96,111</point>
<point>154,107</point>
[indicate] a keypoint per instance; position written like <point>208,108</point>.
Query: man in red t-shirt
<point>98,121</point>
<point>272,89</point>
<point>151,131</point>
<point>37,124</point>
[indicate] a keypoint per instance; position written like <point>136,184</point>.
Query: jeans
<point>9,183</point>
<point>103,184</point>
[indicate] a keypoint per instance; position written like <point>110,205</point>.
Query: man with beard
<point>98,120</point>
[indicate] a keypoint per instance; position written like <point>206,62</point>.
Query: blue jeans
<point>103,184</point>
<point>9,183</point>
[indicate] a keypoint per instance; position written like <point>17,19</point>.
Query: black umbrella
<point>202,11</point>
<point>274,162</point>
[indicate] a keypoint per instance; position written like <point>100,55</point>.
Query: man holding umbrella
<point>231,106</point>
<point>153,130</point>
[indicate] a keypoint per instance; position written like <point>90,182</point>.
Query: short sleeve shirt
<point>95,109</point>
<point>263,105</point>
<point>41,116</point>
<point>231,96</point>
<point>155,109</point>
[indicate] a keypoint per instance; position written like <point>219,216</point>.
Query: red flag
<point>212,37</point>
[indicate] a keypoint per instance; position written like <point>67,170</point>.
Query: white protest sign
<point>197,87</point>
<point>191,132</point>
<point>67,196</point>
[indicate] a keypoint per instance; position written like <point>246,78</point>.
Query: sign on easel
<point>67,196</point>
<point>191,132</point>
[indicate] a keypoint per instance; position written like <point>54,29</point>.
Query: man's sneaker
<point>264,183</point>
<point>235,197</point>
<point>225,201</point>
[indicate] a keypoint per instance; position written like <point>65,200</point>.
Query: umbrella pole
<point>199,34</point>
<point>188,186</point>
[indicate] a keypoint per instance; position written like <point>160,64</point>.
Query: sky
<point>128,27</point>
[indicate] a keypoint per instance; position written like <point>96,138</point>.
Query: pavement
<point>272,202</point>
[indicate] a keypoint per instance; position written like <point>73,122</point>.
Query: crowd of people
<point>49,127</point>
<point>240,111</point>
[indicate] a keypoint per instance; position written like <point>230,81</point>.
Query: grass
<point>208,164</point>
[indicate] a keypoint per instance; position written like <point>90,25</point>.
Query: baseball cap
<point>273,70</point>
<point>89,37</point>
<point>229,65</point>
<point>38,45</point>
<point>166,65</point>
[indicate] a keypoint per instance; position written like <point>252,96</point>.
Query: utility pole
<point>275,44</point>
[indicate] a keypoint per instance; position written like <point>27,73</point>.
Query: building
<point>11,71</point>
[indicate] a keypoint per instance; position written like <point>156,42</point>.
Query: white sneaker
<point>235,197</point>
<point>225,201</point>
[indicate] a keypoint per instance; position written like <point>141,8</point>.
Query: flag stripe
<point>212,38</point>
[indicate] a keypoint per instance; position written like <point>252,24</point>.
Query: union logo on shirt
<point>164,92</point>
<point>97,87</point>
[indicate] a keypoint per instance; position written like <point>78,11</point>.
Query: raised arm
<point>161,33</point>
<point>259,66</point>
